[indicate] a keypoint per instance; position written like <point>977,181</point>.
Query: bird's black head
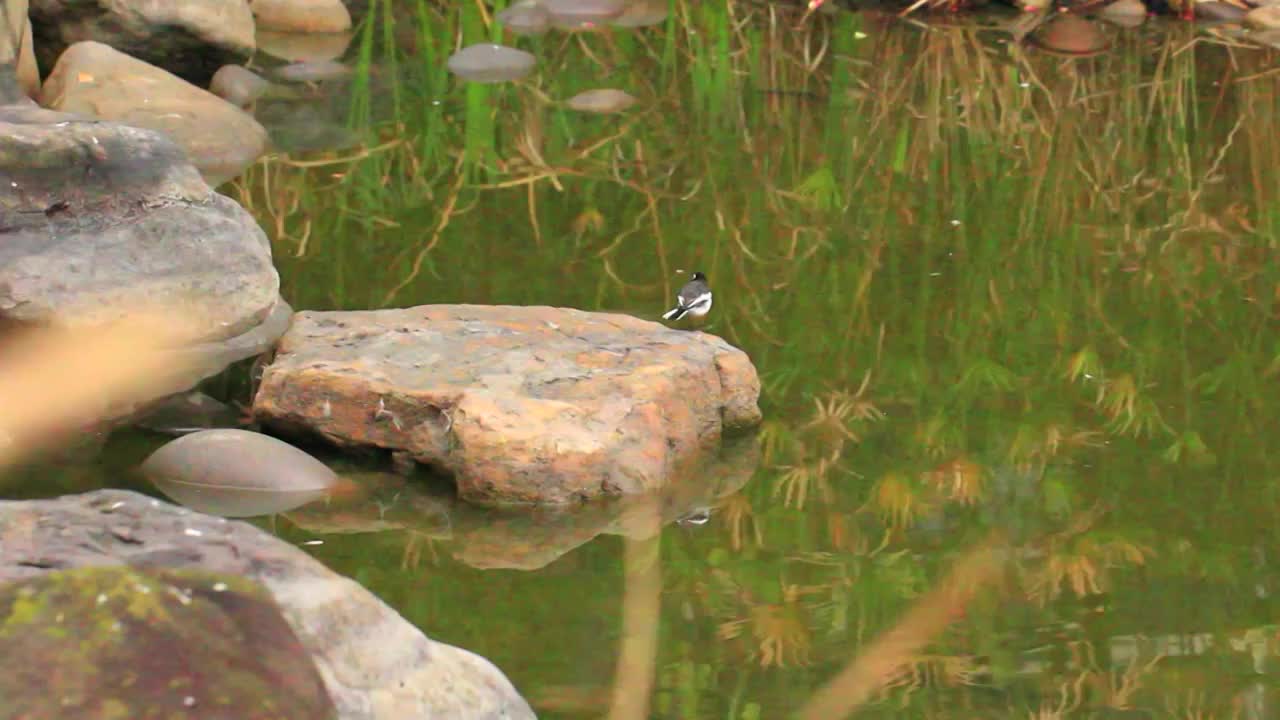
<point>696,276</point>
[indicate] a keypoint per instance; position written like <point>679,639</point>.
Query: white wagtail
<point>693,300</point>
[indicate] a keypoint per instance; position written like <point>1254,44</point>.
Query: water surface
<point>988,290</point>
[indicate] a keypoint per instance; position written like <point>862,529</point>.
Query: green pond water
<point>995,295</point>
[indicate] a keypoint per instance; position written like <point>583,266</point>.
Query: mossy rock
<point>102,643</point>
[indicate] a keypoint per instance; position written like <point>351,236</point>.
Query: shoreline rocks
<point>96,80</point>
<point>101,218</point>
<point>98,219</point>
<point>374,664</point>
<point>190,38</point>
<point>522,405</point>
<point>17,47</point>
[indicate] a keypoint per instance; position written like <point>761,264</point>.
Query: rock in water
<point>16,44</point>
<point>238,85</point>
<point>307,16</point>
<point>318,71</point>
<point>374,664</point>
<point>1124,12</point>
<point>641,13</point>
<point>100,219</point>
<point>583,14</point>
<point>188,413</point>
<point>1071,35</point>
<point>95,80</point>
<point>189,38</point>
<point>489,63</point>
<point>521,404</point>
<point>107,642</point>
<point>1219,12</point>
<point>237,473</point>
<point>303,47</point>
<point>1263,18</point>
<point>526,18</point>
<point>605,100</point>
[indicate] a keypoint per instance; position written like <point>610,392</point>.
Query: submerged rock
<point>95,80</point>
<point>520,404</point>
<point>237,473</point>
<point>526,18</point>
<point>1219,12</point>
<point>308,16</point>
<point>582,14</point>
<point>1263,18</point>
<point>187,413</point>
<point>16,45</point>
<point>605,100</point>
<point>112,642</point>
<point>303,47</point>
<point>1125,13</point>
<point>374,664</point>
<point>643,13</point>
<point>1067,34</point>
<point>317,71</point>
<point>190,38</point>
<point>238,85</point>
<point>489,63</point>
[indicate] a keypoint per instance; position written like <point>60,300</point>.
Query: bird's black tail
<point>675,313</point>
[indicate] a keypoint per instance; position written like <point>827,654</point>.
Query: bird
<point>694,299</point>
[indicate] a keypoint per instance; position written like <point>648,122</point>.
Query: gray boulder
<point>97,219</point>
<point>374,664</point>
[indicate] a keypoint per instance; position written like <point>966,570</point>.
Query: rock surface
<point>237,473</point>
<point>16,47</point>
<point>96,80</point>
<point>374,664</point>
<point>520,404</point>
<point>110,642</point>
<point>191,38</point>
<point>1263,18</point>
<point>308,16</point>
<point>100,218</point>
<point>303,47</point>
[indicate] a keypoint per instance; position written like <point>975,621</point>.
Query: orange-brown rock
<point>520,404</point>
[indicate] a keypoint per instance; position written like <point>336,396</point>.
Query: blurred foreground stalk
<point>55,382</point>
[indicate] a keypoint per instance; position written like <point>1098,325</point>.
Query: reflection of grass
<point>1050,267</point>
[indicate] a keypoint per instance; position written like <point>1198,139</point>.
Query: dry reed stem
<point>56,381</point>
<point>927,619</point>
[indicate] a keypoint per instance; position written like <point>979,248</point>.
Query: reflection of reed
<point>881,661</point>
<point>638,651</point>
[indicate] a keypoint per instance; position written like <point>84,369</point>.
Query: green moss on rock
<point>118,642</point>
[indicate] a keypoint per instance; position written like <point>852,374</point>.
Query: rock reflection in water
<point>528,539</point>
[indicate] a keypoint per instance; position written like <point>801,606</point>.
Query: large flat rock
<point>520,404</point>
<point>374,664</point>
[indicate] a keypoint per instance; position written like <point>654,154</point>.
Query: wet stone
<point>520,404</point>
